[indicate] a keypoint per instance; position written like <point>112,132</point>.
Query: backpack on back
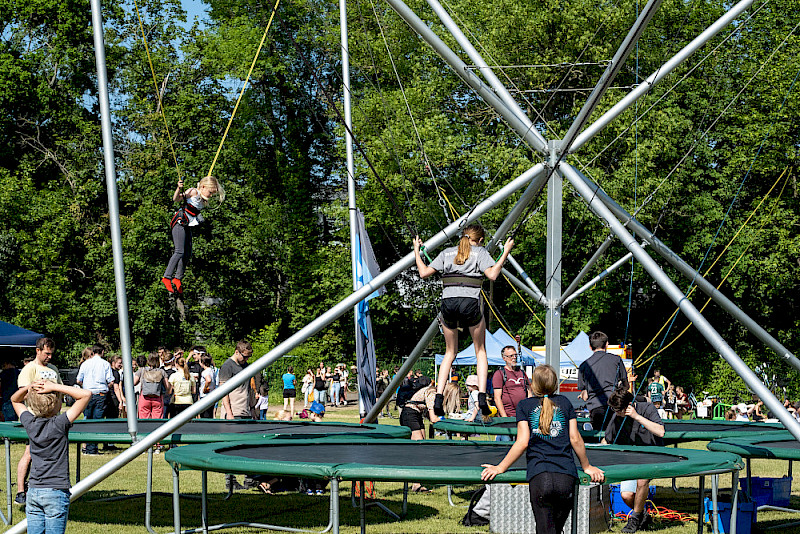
<point>151,382</point>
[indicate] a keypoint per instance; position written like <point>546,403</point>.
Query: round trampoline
<point>781,446</point>
<point>433,461</point>
<point>676,430</point>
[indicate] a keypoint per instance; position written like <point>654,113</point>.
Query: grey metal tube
<point>610,73</point>
<point>537,293</point>
<point>9,508</point>
<point>476,58</point>
<point>531,291</point>
<point>616,265</point>
<point>113,215</point>
<point>420,347</point>
<point>586,268</point>
<point>690,273</point>
<point>534,140</point>
<point>176,499</point>
<point>552,321</point>
<point>283,348</point>
<point>677,296</point>
<point>659,74</point>
<point>538,182</point>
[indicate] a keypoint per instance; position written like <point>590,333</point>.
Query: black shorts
<point>412,419</point>
<point>462,312</point>
<point>289,393</point>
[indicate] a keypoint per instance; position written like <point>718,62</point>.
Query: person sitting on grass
<point>316,412</point>
<point>283,415</point>
<point>634,423</point>
<point>47,504</point>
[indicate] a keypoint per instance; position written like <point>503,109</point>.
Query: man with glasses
<point>510,384</point>
<point>237,403</point>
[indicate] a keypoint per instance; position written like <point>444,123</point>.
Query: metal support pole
<point>476,58</point>
<point>613,68</point>
<point>658,75</point>
<point>537,293</point>
<point>616,265</point>
<point>532,290</point>
<point>9,507</point>
<point>531,192</point>
<point>701,492</point>
<point>528,134</point>
<point>714,504</point>
<point>734,500</point>
<point>334,515</point>
<point>77,462</point>
<point>690,273</point>
<point>176,499</point>
<point>677,296</point>
<point>362,510</point>
<point>113,214</point>
<point>420,347</point>
<point>586,268</point>
<point>285,347</point>
<point>204,501</point>
<point>552,338</point>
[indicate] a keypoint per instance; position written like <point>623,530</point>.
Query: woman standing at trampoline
<point>463,268</point>
<point>547,432</point>
<point>187,216</point>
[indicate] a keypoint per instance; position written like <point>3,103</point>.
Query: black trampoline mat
<point>434,455</point>
<point>681,426</point>
<point>786,444</point>
<point>221,426</point>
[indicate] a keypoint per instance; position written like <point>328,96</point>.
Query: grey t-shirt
<point>478,261</point>
<point>239,397</point>
<point>626,431</point>
<point>49,450</point>
<point>600,375</point>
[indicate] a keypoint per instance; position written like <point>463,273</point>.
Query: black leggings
<point>551,501</point>
<point>182,239</point>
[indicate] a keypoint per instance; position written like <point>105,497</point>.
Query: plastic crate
<point>769,491</point>
<point>618,506</point>
<point>745,515</point>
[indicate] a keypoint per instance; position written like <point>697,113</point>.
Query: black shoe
<point>634,523</point>
<point>90,452</point>
<point>438,405</point>
<point>20,498</point>
<point>485,410</point>
<point>647,519</point>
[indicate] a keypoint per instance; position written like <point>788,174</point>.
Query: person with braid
<point>547,432</point>
<point>463,268</point>
<point>194,200</point>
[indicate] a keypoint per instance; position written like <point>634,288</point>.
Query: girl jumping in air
<point>463,268</point>
<point>547,432</point>
<point>194,200</point>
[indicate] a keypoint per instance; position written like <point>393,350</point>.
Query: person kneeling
<point>634,423</point>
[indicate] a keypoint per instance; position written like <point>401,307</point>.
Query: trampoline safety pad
<point>434,461</point>
<point>780,446</point>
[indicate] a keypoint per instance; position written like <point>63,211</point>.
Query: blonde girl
<point>463,268</point>
<point>194,200</point>
<point>183,385</point>
<point>547,432</point>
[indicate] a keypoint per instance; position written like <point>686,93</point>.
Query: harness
<point>179,217</point>
<point>524,374</point>
<point>462,280</point>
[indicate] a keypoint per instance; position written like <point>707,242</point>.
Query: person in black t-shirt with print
<point>547,432</point>
<point>634,423</point>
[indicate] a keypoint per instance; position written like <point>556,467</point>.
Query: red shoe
<point>177,283</point>
<point>168,284</point>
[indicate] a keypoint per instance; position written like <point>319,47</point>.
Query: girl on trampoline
<point>463,268</point>
<point>547,432</point>
<point>187,216</point>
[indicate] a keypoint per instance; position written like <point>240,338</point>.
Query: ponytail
<point>544,384</point>
<point>472,232</point>
<point>464,248</point>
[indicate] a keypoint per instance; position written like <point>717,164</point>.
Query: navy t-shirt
<point>49,451</point>
<point>551,453</point>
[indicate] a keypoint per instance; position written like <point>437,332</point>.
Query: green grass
<point>427,513</point>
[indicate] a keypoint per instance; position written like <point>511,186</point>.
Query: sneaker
<point>309,492</point>
<point>438,405</point>
<point>634,523</point>
<point>647,519</point>
<point>250,483</point>
<point>485,410</point>
<point>20,498</point>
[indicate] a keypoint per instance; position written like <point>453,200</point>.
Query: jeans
<point>502,437</point>
<point>95,410</point>
<point>320,395</point>
<point>8,412</point>
<point>47,510</point>
<point>335,388</point>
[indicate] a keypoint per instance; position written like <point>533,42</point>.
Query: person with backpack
<point>187,216</point>
<point>510,384</point>
<point>463,268</point>
<point>183,385</point>
<point>154,386</point>
<point>548,435</point>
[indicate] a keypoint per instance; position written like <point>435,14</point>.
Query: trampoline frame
<point>19,435</point>
<point>334,515</point>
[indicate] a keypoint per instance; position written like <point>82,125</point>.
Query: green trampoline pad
<point>780,446</point>
<point>433,461</point>
<point>209,430</point>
